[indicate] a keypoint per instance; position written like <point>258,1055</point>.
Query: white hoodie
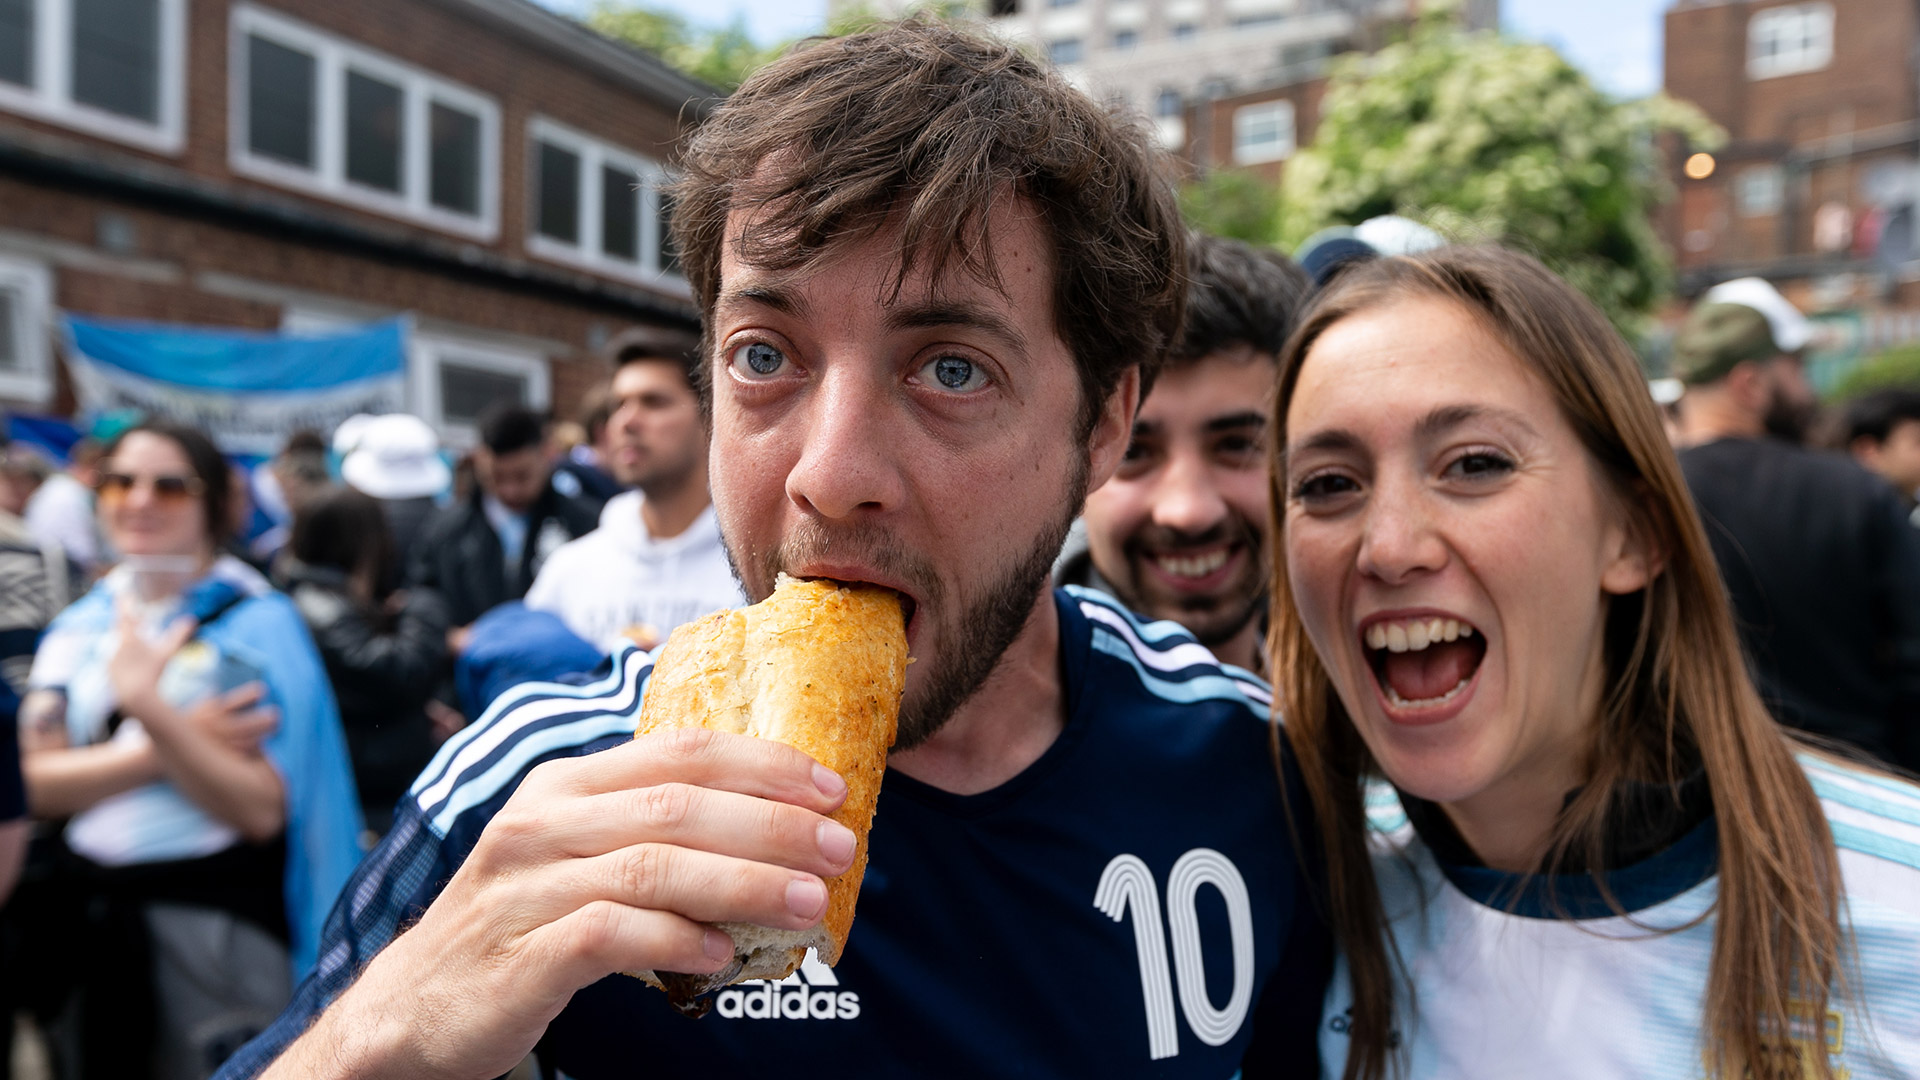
<point>619,578</point>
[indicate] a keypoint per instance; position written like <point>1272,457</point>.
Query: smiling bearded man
<point>931,273</point>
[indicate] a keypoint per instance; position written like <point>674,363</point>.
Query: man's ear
<point>1866,451</point>
<point>1113,429</point>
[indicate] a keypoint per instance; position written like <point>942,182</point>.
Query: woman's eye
<point>757,360</point>
<point>955,373</point>
<point>1324,486</point>
<point>1480,465</point>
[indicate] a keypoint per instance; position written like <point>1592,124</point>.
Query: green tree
<point>1487,138</point>
<point>1234,204</point>
<point>720,56</point>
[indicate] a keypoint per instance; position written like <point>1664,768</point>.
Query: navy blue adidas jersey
<point>1129,905</point>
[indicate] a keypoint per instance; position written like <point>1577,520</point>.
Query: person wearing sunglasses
<point>181,724</point>
<point>1565,837</point>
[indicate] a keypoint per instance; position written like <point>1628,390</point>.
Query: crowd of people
<point>1334,669</point>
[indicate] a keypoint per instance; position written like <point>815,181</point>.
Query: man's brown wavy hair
<point>924,128</point>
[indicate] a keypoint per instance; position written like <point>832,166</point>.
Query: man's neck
<point>1243,649</point>
<point>1709,414</point>
<point>668,511</point>
<point>1018,713</point>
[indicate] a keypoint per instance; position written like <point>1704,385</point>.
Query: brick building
<point>486,166</point>
<point>1815,188</point>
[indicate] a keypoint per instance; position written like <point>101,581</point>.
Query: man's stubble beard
<point>1245,599</point>
<point>974,631</point>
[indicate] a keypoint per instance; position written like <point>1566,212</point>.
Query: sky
<point>1617,42</point>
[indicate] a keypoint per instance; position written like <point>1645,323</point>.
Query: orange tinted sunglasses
<point>114,487</point>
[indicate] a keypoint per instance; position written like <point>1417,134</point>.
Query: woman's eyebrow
<point>1447,417</point>
<point>1332,440</point>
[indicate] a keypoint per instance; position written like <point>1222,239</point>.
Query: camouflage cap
<point>1717,338</point>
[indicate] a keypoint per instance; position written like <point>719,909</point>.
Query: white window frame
<point>332,57</point>
<point>1810,27</point>
<point>1247,117</point>
<point>1770,181</point>
<point>51,96</point>
<point>595,154</point>
<point>426,353</point>
<point>32,283</point>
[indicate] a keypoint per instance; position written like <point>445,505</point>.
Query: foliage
<point>1487,138</point>
<point>1233,204</point>
<point>1898,366</point>
<point>724,56</point>
<point>721,56</point>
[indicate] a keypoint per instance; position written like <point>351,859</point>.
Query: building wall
<point>108,251</point>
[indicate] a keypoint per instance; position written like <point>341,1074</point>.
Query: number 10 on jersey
<point>1128,886</point>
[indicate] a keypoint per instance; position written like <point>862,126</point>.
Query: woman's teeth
<point>1413,635</point>
<point>1194,566</point>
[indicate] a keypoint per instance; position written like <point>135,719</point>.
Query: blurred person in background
<point>581,468</point>
<point>61,511</point>
<point>1817,553</point>
<point>396,459</point>
<point>181,719</point>
<point>1881,429</point>
<point>487,549</point>
<point>22,473</point>
<point>1180,531</point>
<point>294,475</point>
<point>656,560</point>
<point>385,651</point>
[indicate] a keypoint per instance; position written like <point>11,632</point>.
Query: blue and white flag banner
<point>246,389</point>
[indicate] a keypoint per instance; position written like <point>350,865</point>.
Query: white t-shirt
<point>61,512</point>
<point>618,577</point>
<point>1507,996</point>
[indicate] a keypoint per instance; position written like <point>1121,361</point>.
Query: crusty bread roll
<point>819,666</point>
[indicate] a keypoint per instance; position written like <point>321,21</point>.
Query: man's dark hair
<point>929,128</point>
<point>506,428</point>
<point>207,462</point>
<point>658,346</point>
<point>1873,415</point>
<point>1238,295</point>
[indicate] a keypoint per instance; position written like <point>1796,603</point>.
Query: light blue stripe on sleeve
<point>1904,813</point>
<point>1868,842</point>
<point>1184,691</point>
<point>476,790</point>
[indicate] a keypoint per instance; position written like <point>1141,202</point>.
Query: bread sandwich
<point>820,666</point>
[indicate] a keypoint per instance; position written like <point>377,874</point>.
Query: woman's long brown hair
<point>1677,694</point>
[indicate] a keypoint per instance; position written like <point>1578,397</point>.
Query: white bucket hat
<point>396,456</point>
<point>1791,330</point>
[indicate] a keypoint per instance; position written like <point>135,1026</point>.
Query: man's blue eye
<point>764,359</point>
<point>953,372</point>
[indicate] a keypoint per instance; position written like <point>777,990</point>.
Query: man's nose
<point>847,460</point>
<point>1399,539</point>
<point>1187,498</point>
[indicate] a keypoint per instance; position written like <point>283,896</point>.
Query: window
<point>1126,39</point>
<point>1759,191</point>
<point>26,369</point>
<point>114,68</point>
<point>1167,103</point>
<point>1263,132</point>
<point>1789,40</point>
<point>1183,31</point>
<point>596,205</point>
<point>455,379</point>
<point>323,115</point>
<point>1061,3</point>
<point>1064,51</point>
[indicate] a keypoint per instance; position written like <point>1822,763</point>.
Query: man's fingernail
<point>806,897</point>
<point>718,946</point>
<point>828,781</point>
<point>836,842</point>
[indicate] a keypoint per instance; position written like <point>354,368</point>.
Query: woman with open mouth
<point>1564,836</point>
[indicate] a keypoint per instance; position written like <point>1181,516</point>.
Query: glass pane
<point>559,193</point>
<point>454,169</point>
<point>116,56</point>
<point>16,41</point>
<point>669,254</point>
<point>9,345</point>
<point>466,392</point>
<point>280,101</point>
<point>619,213</point>
<point>373,132</point>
